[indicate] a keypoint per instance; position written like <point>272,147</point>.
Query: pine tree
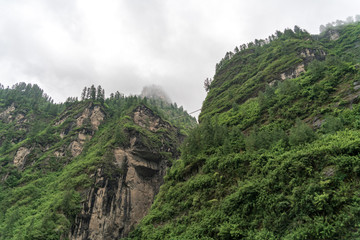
<point>99,92</point>
<point>87,93</point>
<point>103,95</point>
<point>83,94</point>
<point>92,92</point>
<point>207,84</point>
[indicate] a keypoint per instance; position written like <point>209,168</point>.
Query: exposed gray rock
<point>293,73</point>
<point>20,156</point>
<point>334,35</point>
<point>307,55</point>
<point>116,203</point>
<point>329,171</point>
<point>6,115</point>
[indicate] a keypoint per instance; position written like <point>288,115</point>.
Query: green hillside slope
<point>276,155</point>
<point>50,153</point>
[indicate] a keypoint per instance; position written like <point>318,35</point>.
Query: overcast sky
<point>64,45</point>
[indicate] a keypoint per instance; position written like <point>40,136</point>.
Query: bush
<point>301,133</point>
<point>332,124</point>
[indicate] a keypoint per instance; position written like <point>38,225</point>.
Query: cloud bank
<point>124,45</point>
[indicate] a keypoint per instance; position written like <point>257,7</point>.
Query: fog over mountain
<point>124,45</point>
<point>154,91</point>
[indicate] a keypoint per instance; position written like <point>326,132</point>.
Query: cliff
<point>115,204</point>
<point>276,153</point>
<point>89,170</point>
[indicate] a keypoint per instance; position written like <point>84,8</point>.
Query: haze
<point>125,45</point>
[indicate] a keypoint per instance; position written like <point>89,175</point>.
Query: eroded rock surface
<point>307,56</point>
<point>6,115</point>
<point>114,206</point>
<point>144,117</point>
<point>75,148</point>
<point>20,157</point>
<point>96,117</point>
<point>294,73</point>
<point>92,113</point>
<point>334,35</point>
<point>116,203</point>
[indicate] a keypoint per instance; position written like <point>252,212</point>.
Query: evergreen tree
<point>87,93</point>
<point>103,95</point>
<point>301,133</point>
<point>99,93</point>
<point>207,84</point>
<point>92,92</point>
<point>83,94</point>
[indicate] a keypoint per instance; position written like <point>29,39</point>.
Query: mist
<point>155,92</point>
<point>124,45</point>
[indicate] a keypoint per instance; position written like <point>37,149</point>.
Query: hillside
<point>83,169</point>
<point>276,154</point>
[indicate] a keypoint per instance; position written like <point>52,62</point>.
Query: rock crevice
<point>121,197</point>
<point>115,205</point>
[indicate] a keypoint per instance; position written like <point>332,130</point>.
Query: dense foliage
<point>40,199</point>
<point>276,155</point>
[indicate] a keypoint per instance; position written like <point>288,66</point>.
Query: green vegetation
<point>276,154</point>
<point>41,196</point>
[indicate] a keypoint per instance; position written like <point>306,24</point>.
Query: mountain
<point>83,169</point>
<point>275,156</point>
<point>276,153</point>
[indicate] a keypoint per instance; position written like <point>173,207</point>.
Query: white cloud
<point>64,45</point>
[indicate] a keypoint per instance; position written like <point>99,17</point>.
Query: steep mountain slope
<point>276,155</point>
<point>90,172</point>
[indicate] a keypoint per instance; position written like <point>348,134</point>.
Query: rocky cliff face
<point>117,202</point>
<point>307,56</point>
<point>83,169</point>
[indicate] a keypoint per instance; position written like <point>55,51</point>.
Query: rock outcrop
<point>307,56</point>
<point>117,202</point>
<point>6,115</point>
<point>88,121</point>
<point>293,73</point>
<point>20,157</point>
<point>334,35</point>
<point>92,113</point>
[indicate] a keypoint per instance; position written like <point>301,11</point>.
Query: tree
<point>332,124</point>
<point>297,29</point>
<point>357,18</point>
<point>118,95</point>
<point>350,19</point>
<point>322,28</point>
<point>207,84</point>
<point>87,93</point>
<point>83,94</point>
<point>92,92</point>
<point>301,133</point>
<point>339,22</point>
<point>288,33</point>
<point>99,94</point>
